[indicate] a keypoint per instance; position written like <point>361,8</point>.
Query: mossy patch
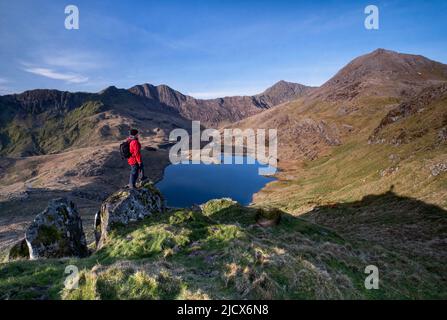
<point>48,235</point>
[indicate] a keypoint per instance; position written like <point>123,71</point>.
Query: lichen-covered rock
<point>57,232</point>
<point>126,206</point>
<point>19,251</point>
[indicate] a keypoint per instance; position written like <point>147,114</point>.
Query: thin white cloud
<point>49,73</point>
<point>68,66</point>
<point>73,60</point>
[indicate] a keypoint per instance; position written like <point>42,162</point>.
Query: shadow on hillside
<point>389,220</point>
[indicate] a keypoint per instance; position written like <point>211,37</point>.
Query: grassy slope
<point>356,168</point>
<point>382,195</point>
<point>52,134</point>
<point>222,253</point>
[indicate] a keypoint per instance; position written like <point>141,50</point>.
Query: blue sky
<point>204,48</point>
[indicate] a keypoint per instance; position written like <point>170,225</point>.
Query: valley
<point>362,180</point>
<point>66,144</point>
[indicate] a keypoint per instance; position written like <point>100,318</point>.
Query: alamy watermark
<point>72,18</point>
<point>72,280</point>
<point>259,144</point>
<point>372,20</point>
<point>372,280</point>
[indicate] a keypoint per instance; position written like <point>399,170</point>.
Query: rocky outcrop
<point>126,206</point>
<point>410,108</point>
<point>56,232</point>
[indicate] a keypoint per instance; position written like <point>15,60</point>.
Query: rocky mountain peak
<point>383,72</point>
<point>161,93</point>
<point>215,111</point>
<point>109,90</point>
<point>283,91</point>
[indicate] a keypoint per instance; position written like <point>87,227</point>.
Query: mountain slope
<point>350,105</point>
<point>214,112</point>
<point>382,73</point>
<point>219,252</point>
<point>55,144</point>
<point>415,118</point>
<point>368,146</point>
<point>48,121</point>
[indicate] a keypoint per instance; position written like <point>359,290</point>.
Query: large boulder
<point>57,232</point>
<point>126,206</point>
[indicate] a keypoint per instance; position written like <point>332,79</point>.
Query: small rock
<point>438,169</point>
<point>388,171</point>
<point>19,251</point>
<point>57,232</point>
<point>348,127</point>
<point>394,158</point>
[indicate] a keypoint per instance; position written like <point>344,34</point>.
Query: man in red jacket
<point>135,162</point>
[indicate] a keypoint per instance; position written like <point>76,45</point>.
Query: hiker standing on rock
<point>131,149</point>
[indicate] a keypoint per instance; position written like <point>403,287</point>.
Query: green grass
<point>220,254</point>
<point>47,133</point>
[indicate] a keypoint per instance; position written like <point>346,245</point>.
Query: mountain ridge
<point>212,112</point>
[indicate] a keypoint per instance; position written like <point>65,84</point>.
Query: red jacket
<point>135,148</point>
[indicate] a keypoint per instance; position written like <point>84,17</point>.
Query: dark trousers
<point>134,172</point>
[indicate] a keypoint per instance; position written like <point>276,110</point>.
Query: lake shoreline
<point>189,184</point>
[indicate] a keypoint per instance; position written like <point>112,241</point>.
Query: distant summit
<point>214,112</point>
<point>283,91</point>
<point>383,72</point>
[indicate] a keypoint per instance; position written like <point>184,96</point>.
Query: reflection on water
<point>186,184</point>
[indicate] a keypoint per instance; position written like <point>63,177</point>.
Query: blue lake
<point>184,185</point>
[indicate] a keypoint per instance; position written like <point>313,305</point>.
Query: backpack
<point>125,150</point>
